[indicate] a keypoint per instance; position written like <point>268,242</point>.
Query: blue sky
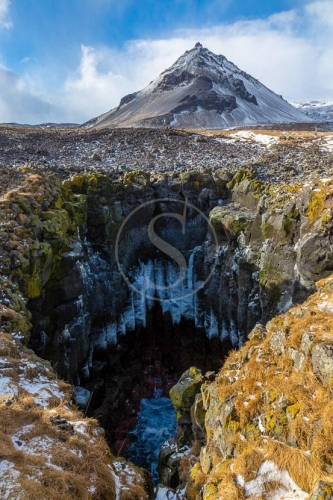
<point>69,60</point>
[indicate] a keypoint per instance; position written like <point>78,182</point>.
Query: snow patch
<point>41,389</point>
<point>164,493</point>
<point>269,472</point>
<point>8,480</point>
<point>7,387</point>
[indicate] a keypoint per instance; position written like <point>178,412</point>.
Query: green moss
<point>183,393</point>
<point>56,223</point>
<point>271,280</point>
<point>256,187</point>
<point>289,220</point>
<point>238,225</point>
<point>137,177</point>
<point>269,275</point>
<point>77,211</point>
<point>239,177</point>
<point>225,221</point>
<point>78,181</point>
<point>267,230</point>
<point>34,286</point>
<point>191,176</point>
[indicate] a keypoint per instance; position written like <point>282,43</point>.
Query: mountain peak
<point>201,90</point>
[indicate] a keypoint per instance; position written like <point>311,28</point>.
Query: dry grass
<point>78,457</point>
<point>136,492</point>
<point>58,463</point>
<point>304,470</point>
<point>226,486</point>
<point>187,462</point>
<point>294,407</point>
<point>54,463</point>
<point>248,463</point>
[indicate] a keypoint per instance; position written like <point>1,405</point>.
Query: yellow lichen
<point>316,206</point>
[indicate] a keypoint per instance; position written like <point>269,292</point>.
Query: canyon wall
<point>59,249</point>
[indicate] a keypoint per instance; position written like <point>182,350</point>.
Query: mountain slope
<point>320,111</point>
<point>201,90</point>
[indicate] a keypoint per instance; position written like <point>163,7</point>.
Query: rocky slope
<point>319,111</point>
<point>276,156</point>
<point>48,448</point>
<point>265,423</point>
<point>200,90</point>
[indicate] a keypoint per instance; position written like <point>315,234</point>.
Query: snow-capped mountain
<point>201,90</point>
<point>319,111</point>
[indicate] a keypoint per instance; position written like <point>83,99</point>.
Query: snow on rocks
<point>268,472</point>
<point>8,478</point>
<point>164,493</point>
<point>48,450</point>
<point>248,135</point>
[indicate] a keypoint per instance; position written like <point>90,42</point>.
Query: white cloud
<point>5,21</point>
<point>322,10</point>
<point>92,87</point>
<point>271,50</point>
<point>20,104</point>
<point>290,52</point>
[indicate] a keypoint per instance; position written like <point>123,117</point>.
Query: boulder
<point>183,393</point>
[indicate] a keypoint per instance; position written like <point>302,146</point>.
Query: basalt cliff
<point>247,358</point>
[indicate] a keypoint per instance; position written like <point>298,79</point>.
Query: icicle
<point>158,391</point>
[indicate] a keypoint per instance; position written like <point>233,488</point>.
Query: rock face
<point>201,90</point>
<point>267,416</point>
<point>59,248</point>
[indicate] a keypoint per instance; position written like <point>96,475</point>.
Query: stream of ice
<point>156,424</point>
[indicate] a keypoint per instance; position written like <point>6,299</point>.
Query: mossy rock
<point>292,411</point>
<point>316,206</point>
<point>99,183</point>
<point>183,393</point>
<point>137,177</point>
<point>42,267</point>
<point>239,177</point>
<point>56,223</point>
<point>77,211</point>
<point>228,221</point>
<point>276,423</point>
<point>78,181</point>
<point>198,181</point>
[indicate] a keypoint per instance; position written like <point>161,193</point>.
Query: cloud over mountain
<point>290,52</point>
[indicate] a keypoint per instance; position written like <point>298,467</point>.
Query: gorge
<point>116,344</point>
